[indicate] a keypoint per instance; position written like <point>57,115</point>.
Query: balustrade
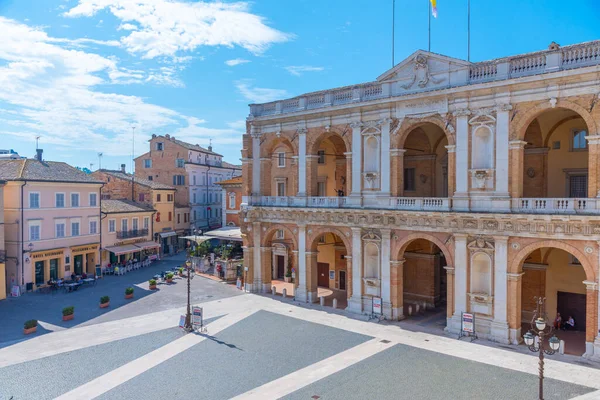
<point>555,206</point>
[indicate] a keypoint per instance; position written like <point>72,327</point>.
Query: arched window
<point>481,274</point>
<point>483,155</point>
<point>372,261</point>
<point>372,155</point>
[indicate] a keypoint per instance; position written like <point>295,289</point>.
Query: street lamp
<point>538,328</point>
<point>188,316</point>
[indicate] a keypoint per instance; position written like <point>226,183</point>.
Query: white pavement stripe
<point>315,372</point>
<point>140,365</point>
<point>595,395</point>
<point>50,327</point>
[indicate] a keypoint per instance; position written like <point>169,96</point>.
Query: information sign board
<point>377,305</point>
<point>197,316</point>
<point>468,323</point>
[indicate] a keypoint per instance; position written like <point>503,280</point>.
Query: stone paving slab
<point>49,377</point>
<point>405,372</point>
<point>256,350</point>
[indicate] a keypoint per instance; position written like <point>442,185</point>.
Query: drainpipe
<point>100,227</point>
<point>207,186</point>
<point>22,239</point>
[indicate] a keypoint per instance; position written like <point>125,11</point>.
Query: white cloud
<point>236,61</point>
<point>298,70</point>
<point>165,27</point>
<point>259,95</point>
<point>52,90</point>
<point>239,125</point>
<point>127,27</point>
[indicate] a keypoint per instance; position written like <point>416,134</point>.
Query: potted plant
<point>152,283</point>
<point>180,271</point>
<point>129,293</point>
<point>68,313</point>
<point>30,326</point>
<point>104,301</point>
<point>169,277</point>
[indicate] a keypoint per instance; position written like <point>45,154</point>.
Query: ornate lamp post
<point>188,316</point>
<point>541,328</point>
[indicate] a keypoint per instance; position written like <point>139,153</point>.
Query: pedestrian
<point>558,321</point>
<point>569,325</point>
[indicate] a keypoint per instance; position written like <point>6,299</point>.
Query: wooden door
<point>323,272</point>
<point>572,304</point>
<point>342,280</point>
<point>280,267</point>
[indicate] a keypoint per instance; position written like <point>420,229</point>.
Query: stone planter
<point>68,317</point>
<point>152,287</point>
<point>30,330</point>
<point>169,280</point>
<point>104,305</point>
<point>129,296</point>
<point>287,279</point>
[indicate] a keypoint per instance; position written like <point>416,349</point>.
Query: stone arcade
<point>444,184</point>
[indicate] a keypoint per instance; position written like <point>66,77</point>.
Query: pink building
<point>52,221</point>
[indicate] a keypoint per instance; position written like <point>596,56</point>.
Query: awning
<point>126,248</point>
<point>233,233</point>
<point>197,239</point>
<point>167,234</point>
<point>148,245</point>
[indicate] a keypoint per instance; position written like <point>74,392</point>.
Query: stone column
<point>348,276</point>
<point>591,317</point>
<point>355,302</point>
<point>451,169</point>
<point>385,157</point>
<point>500,322</point>
<point>257,264</point>
<point>301,289</point>
<point>386,278</point>
<point>397,289</point>
<point>502,172</point>
<point>356,159</point>
<point>517,154</point>
<point>248,263</point>
<point>593,165</point>
<point>311,177</point>
<point>295,267</point>
<point>461,194</point>
<point>397,172</point>
<point>312,277</point>
<point>302,162</point>
<point>349,166</point>
<point>254,132</point>
<point>460,281</point>
<point>515,280</point>
<point>267,269</point>
<point>449,296</point>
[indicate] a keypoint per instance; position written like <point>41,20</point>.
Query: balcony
<point>133,233</point>
<point>437,204</point>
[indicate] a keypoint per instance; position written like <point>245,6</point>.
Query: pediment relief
<point>480,244</point>
<point>372,235</point>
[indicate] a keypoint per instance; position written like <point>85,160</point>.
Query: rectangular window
<point>149,177</point>
<point>194,215</point>
<point>59,200</point>
<point>579,141</point>
<point>147,163</point>
<point>321,154</point>
<point>178,218</point>
<point>232,200</point>
<point>134,224</point>
<point>280,189</point>
<point>74,199</point>
<point>158,197</point>
<point>409,179</point>
<point>159,146</point>
<point>281,159</point>
<point>180,163</point>
<point>169,197</point>
<point>578,186</point>
<point>146,222</point>
<point>124,224</point>
<point>112,225</point>
<point>60,229</point>
<point>140,196</point>
<point>39,273</point>
<point>321,189</point>
<point>178,180</point>
<point>54,268</point>
<point>194,178</point>
<point>35,228</point>
<point>279,234</point>
<point>34,200</point>
<point>170,216</point>
<point>93,199</point>
<point>194,197</point>
<point>93,227</point>
<point>74,228</point>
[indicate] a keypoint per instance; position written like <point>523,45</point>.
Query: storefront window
<point>39,273</point>
<point>54,269</point>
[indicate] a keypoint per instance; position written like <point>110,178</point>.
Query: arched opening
<point>425,169</point>
<point>279,259</point>
<point>328,275</point>
<point>424,283</point>
<point>558,276</point>
<point>555,160</point>
<point>483,148</point>
<point>279,169</point>
<point>328,167</point>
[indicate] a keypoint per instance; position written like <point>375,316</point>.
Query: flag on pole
<point>434,8</point>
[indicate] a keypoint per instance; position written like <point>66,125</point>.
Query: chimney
<point>167,136</point>
<point>123,168</point>
<point>38,155</point>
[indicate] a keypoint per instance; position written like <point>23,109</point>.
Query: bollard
<point>284,293</point>
<point>334,303</point>
<point>417,307</point>
<point>273,291</point>
<point>322,301</point>
<point>562,347</point>
<point>409,311</point>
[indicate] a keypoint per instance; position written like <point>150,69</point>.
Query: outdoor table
<point>71,287</point>
<point>89,281</point>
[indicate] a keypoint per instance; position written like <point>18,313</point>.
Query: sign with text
<point>182,321</point>
<point>377,305</point>
<point>197,316</point>
<point>468,322</point>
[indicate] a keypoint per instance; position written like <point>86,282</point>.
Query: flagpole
<point>429,25</point>
<point>469,30</point>
<point>393,25</point>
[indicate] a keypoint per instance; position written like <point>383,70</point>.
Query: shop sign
<point>83,249</point>
<point>468,323</point>
<point>377,305</point>
<point>197,316</point>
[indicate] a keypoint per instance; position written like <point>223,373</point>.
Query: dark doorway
<point>323,272</point>
<point>342,280</point>
<point>572,304</point>
<point>280,267</point>
<point>78,259</point>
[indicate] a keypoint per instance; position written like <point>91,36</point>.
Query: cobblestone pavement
<point>257,347</point>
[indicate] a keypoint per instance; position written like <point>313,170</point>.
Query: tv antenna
<point>37,139</point>
<point>99,160</point>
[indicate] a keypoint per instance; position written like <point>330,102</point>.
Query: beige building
<point>127,232</point>
<point>52,221</point>
<point>453,186</point>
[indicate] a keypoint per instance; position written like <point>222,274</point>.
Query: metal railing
<point>133,233</point>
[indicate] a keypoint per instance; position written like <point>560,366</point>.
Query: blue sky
<point>81,73</point>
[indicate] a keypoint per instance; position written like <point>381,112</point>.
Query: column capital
<point>591,285</point>
<point>397,263</point>
<point>463,112</point>
<point>346,257</point>
<point>348,154</point>
<point>302,131</point>
<point>516,144</point>
<point>593,139</point>
<point>504,107</point>
<point>462,236</point>
<point>449,270</point>
<point>356,230</point>
<point>451,148</point>
<point>515,277</point>
<point>356,124</point>
<point>397,152</point>
<point>500,239</point>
